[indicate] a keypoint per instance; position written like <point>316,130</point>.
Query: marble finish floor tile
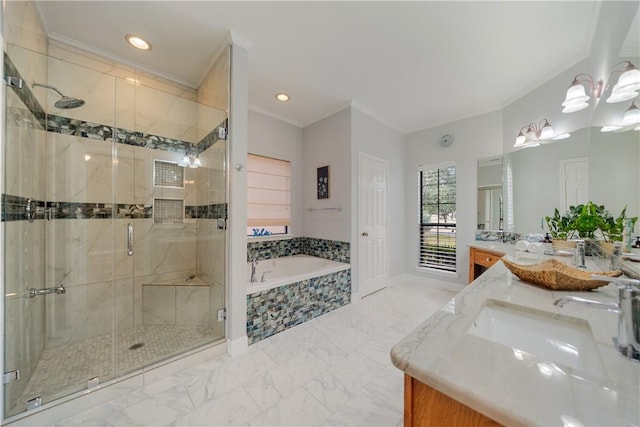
<point>334,370</point>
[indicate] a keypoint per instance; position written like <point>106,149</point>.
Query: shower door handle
<point>130,239</point>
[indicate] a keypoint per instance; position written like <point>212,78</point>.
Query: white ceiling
<point>412,65</point>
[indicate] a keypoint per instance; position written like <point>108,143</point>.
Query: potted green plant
<point>562,227</point>
<point>588,221</point>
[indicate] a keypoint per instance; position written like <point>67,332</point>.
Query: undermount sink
<point>549,337</point>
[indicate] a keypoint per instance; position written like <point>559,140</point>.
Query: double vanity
<point>501,352</point>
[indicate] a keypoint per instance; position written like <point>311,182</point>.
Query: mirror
<point>590,165</point>
<point>490,200</point>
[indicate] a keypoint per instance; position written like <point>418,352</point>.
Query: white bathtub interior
<point>281,271</point>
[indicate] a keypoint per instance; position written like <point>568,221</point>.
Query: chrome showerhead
<point>65,102</point>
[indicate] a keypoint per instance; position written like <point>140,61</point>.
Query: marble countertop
<point>514,387</point>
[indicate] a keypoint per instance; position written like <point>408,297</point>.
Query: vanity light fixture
<point>628,83</point>
<point>631,117</point>
<point>532,135</point>
<point>283,97</point>
<point>630,120</point>
<point>577,98</point>
<point>137,42</point>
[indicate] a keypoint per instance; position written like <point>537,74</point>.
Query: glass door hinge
<point>9,377</point>
<point>34,403</point>
<point>15,82</point>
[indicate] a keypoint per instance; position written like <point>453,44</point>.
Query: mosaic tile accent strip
<point>213,211</point>
<point>13,209</point>
<point>321,248</point>
<point>281,308</point>
<point>274,248</point>
<point>328,249</point>
<point>125,211</point>
<point>92,357</point>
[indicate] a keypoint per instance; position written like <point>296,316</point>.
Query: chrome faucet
<point>578,256</point>
<point>628,309</point>
<point>254,264</point>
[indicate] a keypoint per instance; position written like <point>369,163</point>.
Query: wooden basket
<point>553,274</point>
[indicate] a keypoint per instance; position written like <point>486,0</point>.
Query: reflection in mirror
<point>490,200</point>
<point>589,166</point>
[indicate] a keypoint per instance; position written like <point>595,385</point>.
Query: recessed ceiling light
<point>282,97</point>
<point>137,42</point>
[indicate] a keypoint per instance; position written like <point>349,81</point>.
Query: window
<point>269,196</point>
<point>438,217</point>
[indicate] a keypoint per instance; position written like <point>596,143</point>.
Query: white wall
<point>274,138</point>
<point>237,226</point>
<point>474,138</point>
<point>328,142</point>
<point>371,137</point>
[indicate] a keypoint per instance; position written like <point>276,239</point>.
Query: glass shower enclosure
<point>114,213</point>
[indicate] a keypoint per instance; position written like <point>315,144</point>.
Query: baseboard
<point>238,346</point>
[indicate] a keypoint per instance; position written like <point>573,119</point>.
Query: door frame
<point>362,156</point>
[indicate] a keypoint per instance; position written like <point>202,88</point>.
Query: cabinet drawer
<point>486,259</point>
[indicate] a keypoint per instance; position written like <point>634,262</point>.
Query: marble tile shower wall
<point>79,178</point>
<point>281,308</point>
<point>321,248</point>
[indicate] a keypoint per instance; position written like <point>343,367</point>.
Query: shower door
<point>114,250</point>
<point>59,245</point>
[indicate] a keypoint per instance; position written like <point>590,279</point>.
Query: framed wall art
<point>323,182</point>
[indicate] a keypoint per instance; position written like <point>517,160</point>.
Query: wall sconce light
<point>532,135</point>
<point>577,97</point>
<point>632,115</point>
<point>630,120</point>
<point>628,83</point>
<point>190,159</point>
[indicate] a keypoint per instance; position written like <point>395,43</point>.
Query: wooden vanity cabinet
<point>425,406</point>
<point>480,260</point>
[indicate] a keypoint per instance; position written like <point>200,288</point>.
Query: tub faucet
<point>628,309</point>
<point>254,264</point>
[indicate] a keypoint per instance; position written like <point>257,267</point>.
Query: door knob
<point>365,234</point>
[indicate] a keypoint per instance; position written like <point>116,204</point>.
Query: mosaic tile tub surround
<point>321,248</point>
<point>283,307</point>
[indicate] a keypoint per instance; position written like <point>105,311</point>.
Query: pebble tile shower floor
<point>67,368</point>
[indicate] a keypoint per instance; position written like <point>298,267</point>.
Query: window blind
<point>437,226</point>
<point>268,191</point>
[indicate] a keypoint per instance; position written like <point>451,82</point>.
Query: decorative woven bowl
<point>553,274</point>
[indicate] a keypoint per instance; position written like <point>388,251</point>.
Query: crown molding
<point>79,45</point>
<point>256,109</point>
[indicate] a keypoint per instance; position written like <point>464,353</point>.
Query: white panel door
<point>574,174</point>
<point>373,242</point>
